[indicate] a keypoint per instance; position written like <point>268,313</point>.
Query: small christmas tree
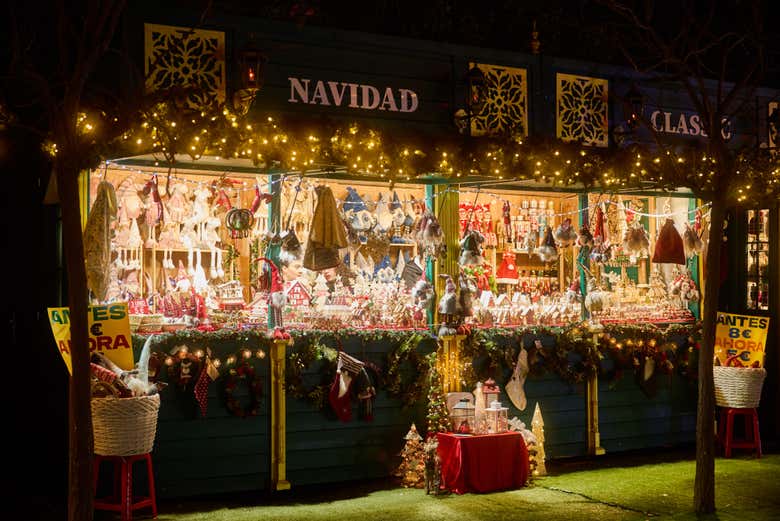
<point>537,427</point>
<point>438,415</point>
<point>412,467</point>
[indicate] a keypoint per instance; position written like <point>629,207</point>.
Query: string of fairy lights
<point>183,351</point>
<point>166,131</point>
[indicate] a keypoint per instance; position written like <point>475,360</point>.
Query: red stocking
<point>339,396</point>
<point>202,389</point>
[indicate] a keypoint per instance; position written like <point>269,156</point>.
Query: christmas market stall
<point>339,253</point>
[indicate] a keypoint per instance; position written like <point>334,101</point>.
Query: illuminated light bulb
<point>168,361</point>
<point>260,354</point>
<point>231,360</point>
<point>199,353</point>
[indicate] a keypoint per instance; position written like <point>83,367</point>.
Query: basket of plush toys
<point>738,387</point>
<point>124,407</point>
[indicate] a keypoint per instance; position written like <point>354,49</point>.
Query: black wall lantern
<point>476,90</point>
<point>251,63</point>
<point>634,106</point>
<point>251,69</point>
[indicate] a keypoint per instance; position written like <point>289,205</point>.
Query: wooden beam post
<point>278,417</point>
<point>592,404</point>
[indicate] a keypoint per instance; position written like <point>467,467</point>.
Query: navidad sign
<point>740,340</point>
<point>109,333</point>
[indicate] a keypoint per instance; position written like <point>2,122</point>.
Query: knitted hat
<point>353,202</point>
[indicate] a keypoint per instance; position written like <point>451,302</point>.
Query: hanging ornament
<point>547,251</point>
<point>448,307</point>
<point>238,221</point>
<point>692,242</point>
<point>584,237</point>
<point>470,249</point>
<point>276,299</point>
<point>636,242</point>
<point>515,387</point>
<point>430,238</point>
<point>565,234</point>
<point>669,246</point>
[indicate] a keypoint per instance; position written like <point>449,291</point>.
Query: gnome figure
<point>276,300</point>
<point>448,307</point>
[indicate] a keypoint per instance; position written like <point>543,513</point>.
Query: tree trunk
<point>80,495</point>
<point>704,485</point>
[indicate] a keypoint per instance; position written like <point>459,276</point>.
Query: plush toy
<point>636,242</point>
<point>692,242</point>
<point>468,287</point>
<point>470,249</point>
<point>422,296</point>
<point>565,234</point>
<point>448,307</point>
<point>547,251</point>
<point>430,238</point>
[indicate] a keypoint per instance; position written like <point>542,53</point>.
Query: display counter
<point>231,434</point>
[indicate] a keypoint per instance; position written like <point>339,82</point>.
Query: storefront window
<point>757,277</point>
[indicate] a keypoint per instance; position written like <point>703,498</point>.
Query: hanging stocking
<point>208,374</point>
<point>514,388</point>
<point>347,368</point>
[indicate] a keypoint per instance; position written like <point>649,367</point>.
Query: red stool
<point>122,499</point>
<point>752,439</point>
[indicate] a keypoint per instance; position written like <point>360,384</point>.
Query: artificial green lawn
<point>603,489</point>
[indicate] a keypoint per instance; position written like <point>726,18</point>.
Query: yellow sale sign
<point>109,333</point>
<point>740,339</point>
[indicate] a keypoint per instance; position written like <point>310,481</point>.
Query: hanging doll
<point>531,240</point>
<point>154,210</point>
<point>565,234</point>
<point>470,249</point>
<point>692,242</point>
<point>547,251</point>
<point>506,218</point>
<point>636,242</point>
<point>276,300</point>
<point>430,238</point>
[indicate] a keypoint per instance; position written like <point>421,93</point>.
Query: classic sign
<point>685,124</point>
<point>352,95</point>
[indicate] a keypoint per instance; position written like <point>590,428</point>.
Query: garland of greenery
<point>304,355</point>
<point>491,352</point>
<point>243,372</point>
<point>401,361</point>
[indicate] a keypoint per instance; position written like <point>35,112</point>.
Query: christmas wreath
<point>243,372</point>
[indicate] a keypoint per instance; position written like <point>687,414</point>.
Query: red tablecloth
<point>483,463</point>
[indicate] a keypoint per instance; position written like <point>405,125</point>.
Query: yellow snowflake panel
<point>582,113</point>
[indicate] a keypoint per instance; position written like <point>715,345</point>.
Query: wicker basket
<point>738,387</point>
<point>124,426</point>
